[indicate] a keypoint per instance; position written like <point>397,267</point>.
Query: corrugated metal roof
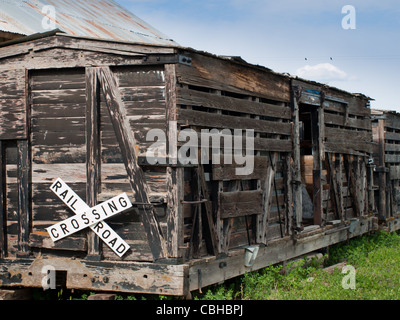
<point>104,19</point>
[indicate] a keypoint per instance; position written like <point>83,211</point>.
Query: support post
<point>93,154</point>
<point>298,200</point>
<point>24,208</point>
<point>3,212</point>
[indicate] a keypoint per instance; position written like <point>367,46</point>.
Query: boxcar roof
<point>103,19</point>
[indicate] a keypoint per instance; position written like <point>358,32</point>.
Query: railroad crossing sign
<point>89,217</point>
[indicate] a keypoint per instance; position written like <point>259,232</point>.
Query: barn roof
<point>103,19</point>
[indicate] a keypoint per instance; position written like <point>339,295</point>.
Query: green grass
<point>376,259</point>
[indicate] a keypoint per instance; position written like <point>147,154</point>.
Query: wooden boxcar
<point>386,135</point>
<point>81,109</point>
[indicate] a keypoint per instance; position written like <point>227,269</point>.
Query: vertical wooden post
<point>317,164</point>
<point>298,200</point>
<point>370,184</point>
<point>3,214</point>
<point>175,175</point>
<point>175,212</point>
<point>24,212</point>
<point>288,193</point>
<point>381,168</point>
<point>92,154</point>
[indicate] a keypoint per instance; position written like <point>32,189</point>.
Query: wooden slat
<point>228,76</point>
<point>347,122</point>
<point>391,147</point>
<point>213,101</point>
<point>211,120</point>
<point>38,240</point>
<point>392,136</point>
<point>240,203</point>
<point>350,135</point>
<point>127,144</point>
<point>392,158</point>
<point>394,172</point>
<point>349,147</point>
<point>228,171</point>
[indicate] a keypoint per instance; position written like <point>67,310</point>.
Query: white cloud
<point>323,72</point>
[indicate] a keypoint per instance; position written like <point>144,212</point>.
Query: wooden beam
<point>175,220</point>
<point>267,190</point>
<point>317,165</point>
<point>3,208</point>
<point>127,143</point>
<point>241,203</point>
<point>298,200</point>
<point>93,155</point>
<point>381,164</point>
<point>175,177</point>
<point>334,186</point>
<point>24,208</point>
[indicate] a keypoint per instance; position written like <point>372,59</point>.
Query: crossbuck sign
<point>89,217</point>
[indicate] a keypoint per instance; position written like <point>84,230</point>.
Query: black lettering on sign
<point>106,234</point>
<point>122,202</point>
<point>54,233</point>
<point>97,227</point>
<point>57,185</point>
<point>104,210</point>
<point>75,224</point>
<point>113,241</point>
<point>64,194</point>
<point>95,214</point>
<point>121,248</point>
<point>85,219</point>
<point>72,205</point>
<point>112,206</point>
<point>64,228</point>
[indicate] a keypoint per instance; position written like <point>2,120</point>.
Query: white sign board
<point>89,217</point>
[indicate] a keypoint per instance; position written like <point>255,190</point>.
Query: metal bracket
<point>185,60</point>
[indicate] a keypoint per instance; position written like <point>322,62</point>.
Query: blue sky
<point>281,35</point>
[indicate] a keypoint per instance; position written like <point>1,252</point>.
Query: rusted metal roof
<point>104,19</point>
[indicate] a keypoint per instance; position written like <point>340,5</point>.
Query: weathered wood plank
<point>240,203</point>
<point>38,240</point>
<point>211,120</point>
<point>213,101</point>
<point>230,76</point>
<point>13,120</point>
<point>225,171</point>
<point>347,122</point>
